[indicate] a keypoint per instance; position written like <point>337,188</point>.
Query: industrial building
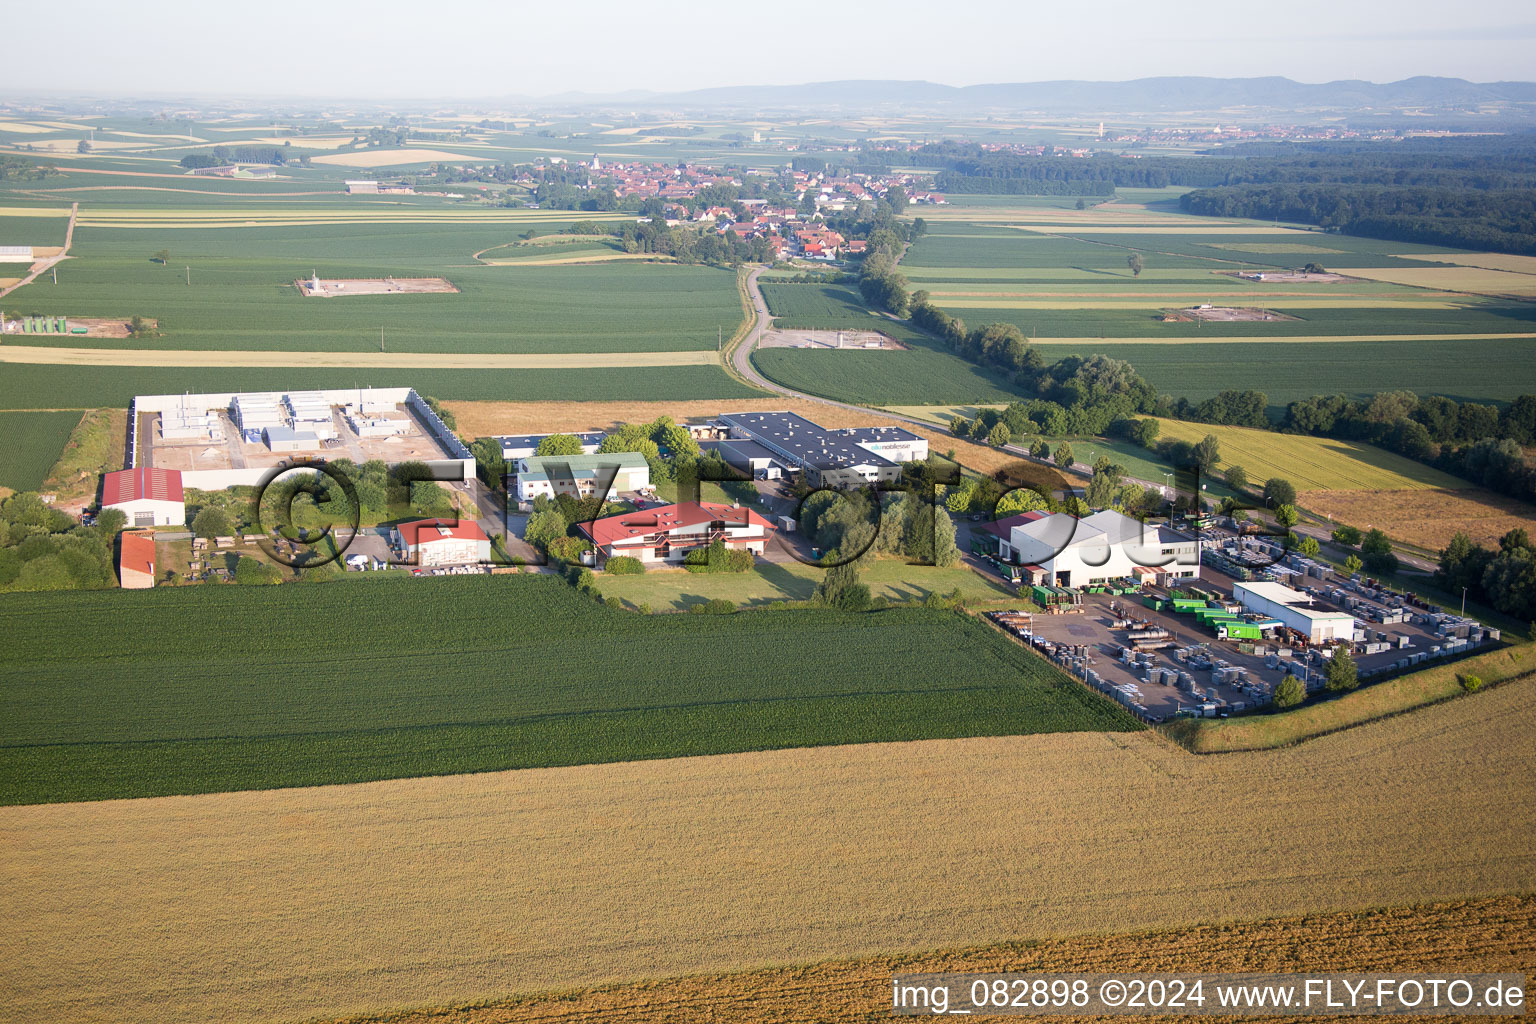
<point>146,495</point>
<point>747,457</point>
<point>667,533</point>
<point>1063,551</point>
<point>828,457</point>
<point>136,561</point>
<point>1293,609</point>
<point>522,446</point>
<point>429,542</point>
<point>15,254</point>
<point>286,439</point>
<point>580,475</point>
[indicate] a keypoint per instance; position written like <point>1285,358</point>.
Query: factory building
<point>442,542</point>
<point>839,457</point>
<point>1293,609</point>
<point>1063,551</point>
<point>522,446</point>
<point>581,475</point>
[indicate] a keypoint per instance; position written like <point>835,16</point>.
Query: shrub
<point>718,558</point>
<point>624,565</point>
<point>719,606</point>
<point>568,549</point>
<point>1471,683</point>
<point>253,573</point>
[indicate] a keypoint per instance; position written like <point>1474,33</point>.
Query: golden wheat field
<point>289,904</point>
<point>1313,463</point>
<point>1473,280</point>
<point>1491,935</point>
<point>1427,517</point>
<point>1488,260</point>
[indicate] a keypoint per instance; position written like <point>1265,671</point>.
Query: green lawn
<point>891,579</point>
<point>213,688</point>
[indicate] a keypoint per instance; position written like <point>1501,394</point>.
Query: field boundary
<point>347,360</point>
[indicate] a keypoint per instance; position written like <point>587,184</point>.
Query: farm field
<point>1313,463</point>
<point>80,387</point>
<point>1478,280</point>
<point>93,714</point>
<point>45,355</point>
<point>1482,370</point>
<point>891,579</point>
<point>249,301</point>
<point>1426,517</point>
<point>1493,934</point>
<point>33,443</point>
<point>806,855</point>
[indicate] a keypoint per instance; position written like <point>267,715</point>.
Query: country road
<point>43,266</point>
<point>740,359</point>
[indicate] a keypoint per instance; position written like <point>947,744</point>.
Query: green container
<point>79,330</point>
<point>1244,631</point>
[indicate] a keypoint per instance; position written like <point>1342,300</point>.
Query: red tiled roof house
<point>136,561</point>
<point>667,533</point>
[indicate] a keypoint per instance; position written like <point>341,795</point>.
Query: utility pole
<point>381,337</point>
<point>189,277</point>
<point>55,273</point>
<point>719,338</point>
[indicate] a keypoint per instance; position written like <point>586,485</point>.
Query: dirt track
<point>377,360</point>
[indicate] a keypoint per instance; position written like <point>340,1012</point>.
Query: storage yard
<point>1208,651</point>
<point>75,326</point>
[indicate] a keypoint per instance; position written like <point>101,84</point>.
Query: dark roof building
<point>829,457</point>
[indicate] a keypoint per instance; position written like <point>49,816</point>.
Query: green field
<point>818,305</point>
<point>889,578</point>
<point>242,294</point>
<point>33,443</point>
<point>923,374</point>
<point>127,694</point>
<point>25,230</point>
<point>80,387</point>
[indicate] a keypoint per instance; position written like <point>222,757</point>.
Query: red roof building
<point>146,495</point>
<point>136,561</point>
<point>668,532</point>
<point>142,482</point>
<point>443,542</point>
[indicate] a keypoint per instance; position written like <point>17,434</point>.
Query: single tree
<point>1352,565</point>
<point>210,523</point>
<point>1207,453</point>
<point>111,521</point>
<point>163,257</point>
<point>559,444</point>
<point>1039,449</point>
<point>1348,536</point>
<point>1063,455</point>
<point>1287,516</point>
<point>1342,673</point>
<point>1136,263</point>
<point>999,435</point>
<point>1237,477</point>
<point>1309,547</point>
<point>1289,693</point>
<point>1279,491</point>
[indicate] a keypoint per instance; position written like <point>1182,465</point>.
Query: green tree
<point>1136,263</point>
<point>840,588</point>
<point>1289,692</point>
<point>1063,455</point>
<point>945,552</point>
<point>162,257</point>
<point>1207,453</point>
<point>1352,565</point>
<point>1309,547</point>
<point>110,521</point>
<point>251,572</point>
<point>1279,491</point>
<point>211,522</point>
<point>999,435</point>
<point>1039,449</point>
<point>1342,673</point>
<point>1236,477</point>
<point>1348,536</point>
<point>1287,516</point>
<point>559,444</point>
<point>544,527</point>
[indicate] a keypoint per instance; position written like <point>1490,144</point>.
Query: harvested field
<point>1274,248</point>
<point>1223,314</point>
<point>1495,934</point>
<point>328,289</point>
<point>417,360</point>
<point>1426,517</point>
<point>1313,463</point>
<point>290,904</point>
<point>1487,260</point>
<point>389,157</point>
<point>1472,280</point>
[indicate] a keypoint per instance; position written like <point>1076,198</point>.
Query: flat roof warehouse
<point>829,454</point>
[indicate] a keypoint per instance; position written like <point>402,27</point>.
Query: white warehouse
<point>1292,607</point>
<point>1063,551</point>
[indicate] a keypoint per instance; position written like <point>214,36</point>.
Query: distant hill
<point>1143,94</point>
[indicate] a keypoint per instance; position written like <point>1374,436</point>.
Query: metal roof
<point>792,436</point>
<point>141,482</point>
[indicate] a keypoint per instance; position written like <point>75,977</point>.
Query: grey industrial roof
<point>532,440</point>
<point>813,444</point>
<point>737,450</point>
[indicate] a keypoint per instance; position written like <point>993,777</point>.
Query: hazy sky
<point>473,48</point>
